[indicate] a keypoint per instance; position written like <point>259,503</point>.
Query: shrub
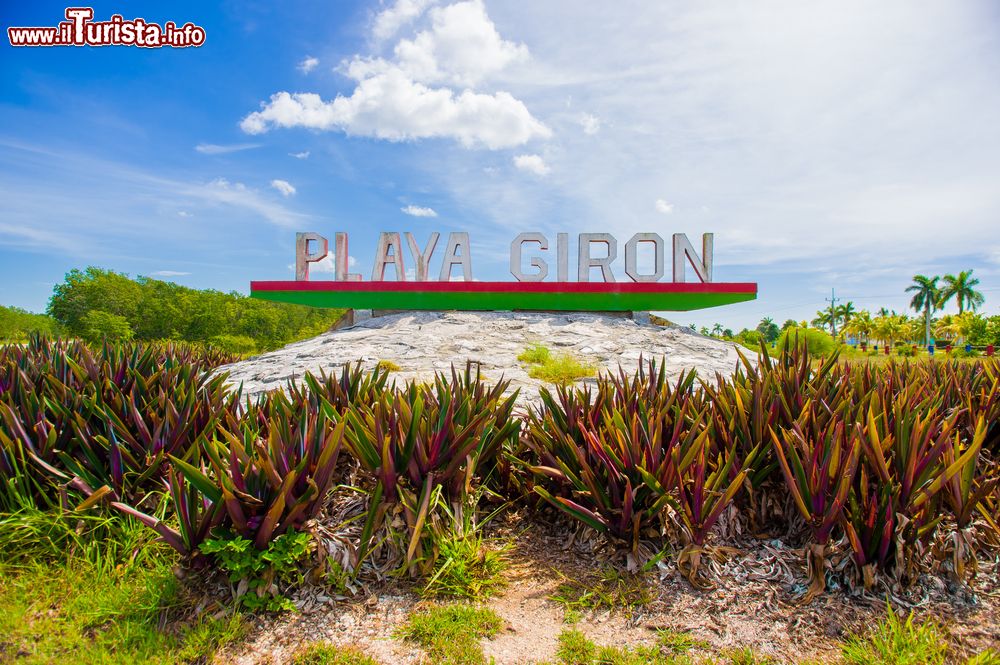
<point>239,345</point>
<point>816,342</point>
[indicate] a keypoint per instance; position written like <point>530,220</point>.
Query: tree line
<point>96,304</point>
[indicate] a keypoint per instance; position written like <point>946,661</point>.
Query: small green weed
<point>613,591</point>
<point>563,368</point>
<point>324,653</point>
<point>536,354</point>
<point>678,641</point>
<point>988,657</point>
<point>466,568</point>
<point>576,649</point>
<point>450,634</point>
<point>746,656</point>
<point>897,642</point>
<point>388,366</point>
<point>337,578</point>
<point>261,568</point>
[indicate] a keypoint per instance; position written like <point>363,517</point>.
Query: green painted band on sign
<point>622,301</point>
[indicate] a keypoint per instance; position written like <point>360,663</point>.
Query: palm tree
<point>890,328</point>
<point>960,325</point>
<point>861,326</point>
<point>717,329</point>
<point>926,296</point>
<point>961,287</point>
<point>823,319</point>
<point>846,312</point>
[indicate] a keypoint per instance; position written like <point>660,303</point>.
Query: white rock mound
<point>422,343</point>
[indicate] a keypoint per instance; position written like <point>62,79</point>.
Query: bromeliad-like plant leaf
<point>819,470</point>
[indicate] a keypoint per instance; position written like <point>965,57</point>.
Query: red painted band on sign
<point>509,287</point>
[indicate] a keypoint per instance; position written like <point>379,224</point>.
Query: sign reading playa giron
<point>532,260</point>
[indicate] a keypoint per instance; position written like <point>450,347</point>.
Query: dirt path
<point>753,605</point>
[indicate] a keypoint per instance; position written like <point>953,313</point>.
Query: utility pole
<point>833,310</point>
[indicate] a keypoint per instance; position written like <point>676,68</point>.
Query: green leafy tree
<point>98,326</point>
<point>768,329</point>
<point>17,324</point>
<point>155,309</point>
<point>926,296</point>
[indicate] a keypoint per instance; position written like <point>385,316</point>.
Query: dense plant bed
<point>879,474</point>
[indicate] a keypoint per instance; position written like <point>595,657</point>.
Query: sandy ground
<point>754,603</point>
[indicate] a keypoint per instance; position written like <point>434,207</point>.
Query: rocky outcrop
<point>422,343</point>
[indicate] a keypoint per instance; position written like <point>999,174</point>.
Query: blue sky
<point>846,145</point>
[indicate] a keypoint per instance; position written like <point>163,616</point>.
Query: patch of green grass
<point>31,536</point>
<point>92,588</point>
<point>79,612</point>
<point>561,368</point>
<point>678,641</point>
<point>324,653</point>
<point>536,354</point>
<point>467,568</point>
<point>746,656</point>
<point>988,657</point>
<point>576,649</point>
<point>897,642</point>
<point>388,366</point>
<point>613,591</point>
<point>450,634</point>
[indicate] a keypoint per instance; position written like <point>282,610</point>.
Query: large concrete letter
<point>452,257</point>
<point>537,262</point>
<point>631,251</point>
<point>562,256</point>
<point>303,257</point>
<point>684,253</point>
<point>422,259</point>
<point>586,262</point>
<point>342,261</point>
<point>383,257</point>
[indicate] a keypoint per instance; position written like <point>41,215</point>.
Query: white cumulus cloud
<point>418,211</point>
<point>664,207</point>
<point>299,155</point>
<point>283,186</point>
<point>532,164</point>
<point>308,64</point>
<point>389,21</point>
<point>426,91</point>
